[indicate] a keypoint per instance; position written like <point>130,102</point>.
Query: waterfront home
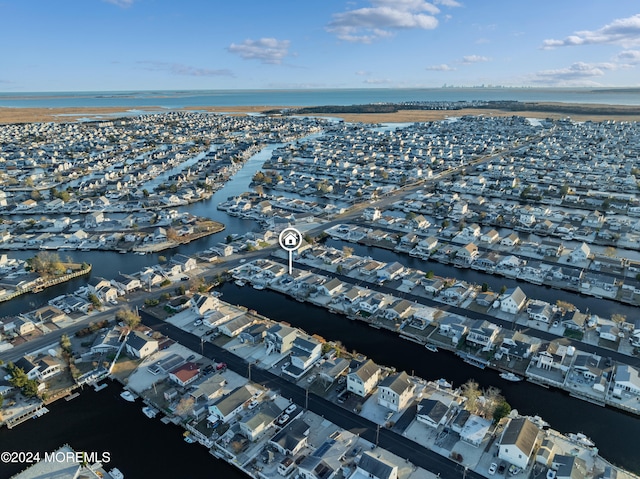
<point>253,424</point>
<point>48,366</point>
<point>458,292</point>
<point>550,248</point>
<point>432,412</point>
<point>518,345</point>
<point>235,326</point>
<point>554,356</point>
<point>305,352</point>
<point>545,453</point>
<point>569,467</point>
<point>518,442</point>
<point>331,369</point>
<point>467,254</point>
<point>425,246</point>
<point>574,320</point>
<point>186,263</point>
<point>453,327</point>
<point>227,407</point>
<point>291,438</point>
<point>372,303</point>
<point>482,333</point>
<point>627,379</point>
<point>510,240</point>
<point>475,429</point>
<point>580,254</point>
<point>389,272</point>
<point>593,368</point>
<point>139,345</point>
<point>513,300</point>
<point>486,298</point>
<point>432,285</point>
<point>327,460</point>
<point>363,378</point>
<point>208,389</point>
<point>332,287</point>
<point>375,467</point>
<point>30,368</point>
<point>201,304</point>
<point>280,338</point>
<point>24,326</point>
<point>126,284</point>
<point>540,311</point>
<point>399,309</point>
<point>395,391</point>
<point>107,341</point>
<point>254,334</point>
<point>490,237</point>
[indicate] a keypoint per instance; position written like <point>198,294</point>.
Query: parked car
<point>492,468</point>
<point>311,378</point>
<point>284,418</point>
<point>197,322</point>
<point>551,474</point>
<point>253,404</point>
<point>502,467</point>
<point>513,470</point>
<point>290,409</point>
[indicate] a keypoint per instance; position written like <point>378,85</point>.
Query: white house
<point>140,345</point>
<point>513,300</point>
<point>364,378</point>
<point>395,391</point>
<point>581,253</point>
<point>627,379</point>
<point>518,442</point>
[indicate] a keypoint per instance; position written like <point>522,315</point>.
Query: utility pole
<point>306,398</point>
<point>249,371</point>
<point>377,433</point>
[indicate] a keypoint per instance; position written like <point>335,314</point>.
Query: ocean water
<point>178,99</point>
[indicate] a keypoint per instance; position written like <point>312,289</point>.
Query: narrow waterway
<point>610,429</point>
<point>104,422</point>
<point>601,307</point>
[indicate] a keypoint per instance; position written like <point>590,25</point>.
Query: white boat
<point>189,439</point>
<point>510,377</point>
<point>443,383</point>
<point>128,396</point>
<point>581,439</point>
<point>149,411</point>
<point>239,283</point>
<point>431,347</point>
<point>116,474</point>
<point>259,287</point>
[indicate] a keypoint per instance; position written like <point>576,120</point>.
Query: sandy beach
<point>35,115</point>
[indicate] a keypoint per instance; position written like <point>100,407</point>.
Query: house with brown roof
<point>518,442</point>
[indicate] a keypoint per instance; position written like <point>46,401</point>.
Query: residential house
<point>253,334</point>
<point>227,407</point>
<point>107,341</point>
<point>580,254</point>
<point>201,304</point>
<point>554,356</point>
<point>475,430</point>
<point>185,262</point>
<point>127,284</point>
<point>482,333</point>
<point>574,320</point>
<point>432,412</point>
<point>389,272</point>
<point>363,378</point>
<point>48,313</point>
<point>627,378</point>
<point>540,311</point>
<point>513,300</point>
<point>467,254</point>
<point>253,425</point>
<point>518,345</point>
<point>332,287</point>
<point>24,326</point>
<point>510,240</point>
<point>490,237</point>
<point>305,351</point>
<point>453,327</point>
<point>30,368</point>
<point>569,467</point>
<point>374,467</point>
<point>140,345</point>
<point>184,374</point>
<point>291,438</point>
<point>280,338</point>
<point>235,326</point>
<point>518,442</point>
<point>395,391</point>
<point>398,310</point>
<point>609,332</point>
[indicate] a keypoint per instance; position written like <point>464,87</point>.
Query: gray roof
<point>377,467</point>
<point>522,433</point>
<point>432,408</point>
<point>570,467</point>
<point>398,383</point>
<point>627,373</point>
<point>366,370</point>
<point>516,294</point>
<point>232,401</point>
<point>291,435</point>
<point>137,340</point>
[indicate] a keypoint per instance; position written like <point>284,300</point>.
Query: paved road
<point>387,439</point>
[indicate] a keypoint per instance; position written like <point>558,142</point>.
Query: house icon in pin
<point>290,239</point>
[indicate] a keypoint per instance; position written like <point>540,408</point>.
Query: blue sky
<point>89,45</point>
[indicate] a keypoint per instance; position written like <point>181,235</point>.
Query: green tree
<point>471,391</point>
<point>485,287</point>
<point>429,274</point>
<point>502,410</point>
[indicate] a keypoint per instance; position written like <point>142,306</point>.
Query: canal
<point>104,422</point>
<point>610,429</point>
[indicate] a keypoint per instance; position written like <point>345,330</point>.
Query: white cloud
<point>181,69</point>
<point>120,3</point>
<point>363,73</point>
<point>628,56</point>
<point>622,31</point>
<point>377,81</point>
<point>267,50</point>
<point>573,74</point>
<point>468,59</point>
<point>447,3</point>
<point>378,21</point>
<point>443,67</point>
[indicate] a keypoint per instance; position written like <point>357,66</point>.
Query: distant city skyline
<point>110,45</point>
